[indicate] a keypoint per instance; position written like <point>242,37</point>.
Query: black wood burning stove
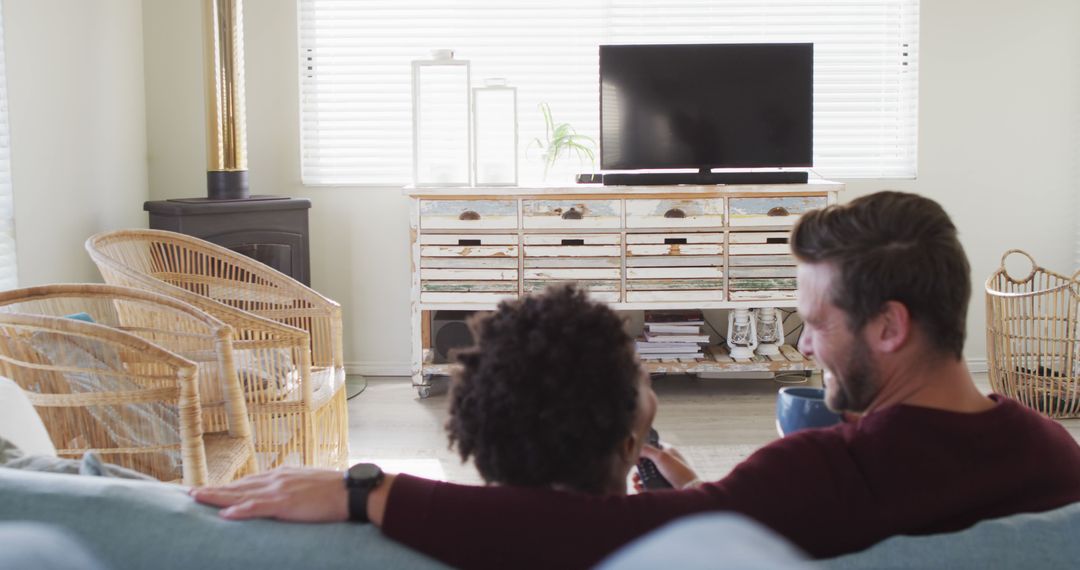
<point>270,229</point>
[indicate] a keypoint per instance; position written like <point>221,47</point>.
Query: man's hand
<point>671,464</point>
<point>288,494</point>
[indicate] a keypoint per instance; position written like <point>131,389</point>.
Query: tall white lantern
<point>495,134</point>
<point>441,123</point>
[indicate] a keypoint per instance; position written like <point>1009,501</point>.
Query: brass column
<point>226,136</point>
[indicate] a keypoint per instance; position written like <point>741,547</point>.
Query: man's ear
<point>892,327</point>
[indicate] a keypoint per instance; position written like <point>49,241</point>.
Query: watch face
<point>364,472</point>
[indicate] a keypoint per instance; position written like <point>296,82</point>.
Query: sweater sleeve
<point>488,527</point>
<point>514,527</point>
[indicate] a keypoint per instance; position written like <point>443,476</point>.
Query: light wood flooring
<point>715,423</point>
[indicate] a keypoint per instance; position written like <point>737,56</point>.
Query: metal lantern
<point>742,334</point>
<point>495,134</point>
<point>770,330</point>
<point>441,124</point>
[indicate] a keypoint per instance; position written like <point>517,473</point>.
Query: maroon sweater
<point>902,470</point>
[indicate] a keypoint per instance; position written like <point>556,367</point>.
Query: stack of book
<point>672,335</point>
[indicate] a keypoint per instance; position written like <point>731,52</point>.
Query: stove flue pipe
<point>226,125</point>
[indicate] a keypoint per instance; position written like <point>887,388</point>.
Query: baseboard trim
<point>378,368</point>
<point>392,368</point>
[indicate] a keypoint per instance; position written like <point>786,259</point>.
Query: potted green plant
<point>561,139</point>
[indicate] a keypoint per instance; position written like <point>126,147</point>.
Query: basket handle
<point>1034,266</point>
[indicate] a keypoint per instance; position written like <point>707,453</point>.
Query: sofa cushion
<point>269,372</point>
<point>20,423</point>
<point>139,524</point>
<point>90,464</point>
<point>701,542</point>
<point>1032,540</point>
<point>95,366</point>
<point>723,540</point>
<point>42,547</point>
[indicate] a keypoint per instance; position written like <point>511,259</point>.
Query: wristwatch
<point>360,479</point>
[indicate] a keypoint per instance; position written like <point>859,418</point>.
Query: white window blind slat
<point>9,278</point>
<point>356,107</point>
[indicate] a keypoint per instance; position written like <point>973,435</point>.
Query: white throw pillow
<point>20,423</point>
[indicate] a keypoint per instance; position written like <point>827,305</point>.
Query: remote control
<point>650,476</point>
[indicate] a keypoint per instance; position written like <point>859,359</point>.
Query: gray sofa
<point>128,524</point>
<point>137,524</point>
<point>1042,541</point>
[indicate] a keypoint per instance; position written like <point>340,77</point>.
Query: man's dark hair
<point>548,393</point>
<point>892,246</point>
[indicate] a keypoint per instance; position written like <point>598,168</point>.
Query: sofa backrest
<point>1044,541</point>
<point>138,524</point>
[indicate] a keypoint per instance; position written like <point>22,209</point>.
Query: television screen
<point>706,106</point>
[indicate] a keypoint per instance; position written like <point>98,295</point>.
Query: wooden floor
<point>715,423</point>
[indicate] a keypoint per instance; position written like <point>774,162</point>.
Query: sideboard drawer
<point>675,267</point>
<point>590,260</point>
<point>468,239</point>
<point>468,268</point>
<point>689,213</point>
<point>762,289</point>
<point>573,245</point>
<point>571,214</point>
<point>674,244</point>
<point>759,243</point>
<point>468,214</point>
<point>468,297</point>
<point>469,245</point>
<point>778,211</point>
<point>760,266</point>
<point>598,289</point>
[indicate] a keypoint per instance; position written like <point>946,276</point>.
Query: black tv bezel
<point>704,168</point>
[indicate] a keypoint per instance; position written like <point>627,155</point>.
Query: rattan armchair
<point>288,337</point>
<point>131,401</point>
<point>169,323</point>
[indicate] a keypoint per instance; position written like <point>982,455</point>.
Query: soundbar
<point>696,178</point>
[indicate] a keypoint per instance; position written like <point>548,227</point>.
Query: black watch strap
<point>358,504</point>
<point>360,479</point>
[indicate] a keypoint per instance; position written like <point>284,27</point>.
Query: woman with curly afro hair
<point>551,395</point>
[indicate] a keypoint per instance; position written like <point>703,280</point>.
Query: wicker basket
<point>1033,338</point>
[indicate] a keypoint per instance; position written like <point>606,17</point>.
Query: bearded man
<point>884,287</point>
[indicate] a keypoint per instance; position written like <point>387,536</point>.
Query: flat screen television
<point>706,106</point>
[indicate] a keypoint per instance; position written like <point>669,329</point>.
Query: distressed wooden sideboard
<point>634,247</point>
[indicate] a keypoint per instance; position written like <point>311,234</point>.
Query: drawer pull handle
<point>674,241</point>
<point>468,242</point>
<point>778,211</point>
<point>776,240</point>
<point>675,213</point>
<point>470,215</point>
<point>573,242</point>
<point>571,214</point>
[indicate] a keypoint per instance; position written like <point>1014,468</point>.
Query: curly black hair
<point>547,394</point>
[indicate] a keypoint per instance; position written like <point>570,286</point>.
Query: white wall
<point>998,136</point>
<point>78,129</point>
<point>359,238</point>
<point>1000,88</point>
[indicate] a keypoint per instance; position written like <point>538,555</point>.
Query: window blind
<point>8,268</point>
<point>356,100</point>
